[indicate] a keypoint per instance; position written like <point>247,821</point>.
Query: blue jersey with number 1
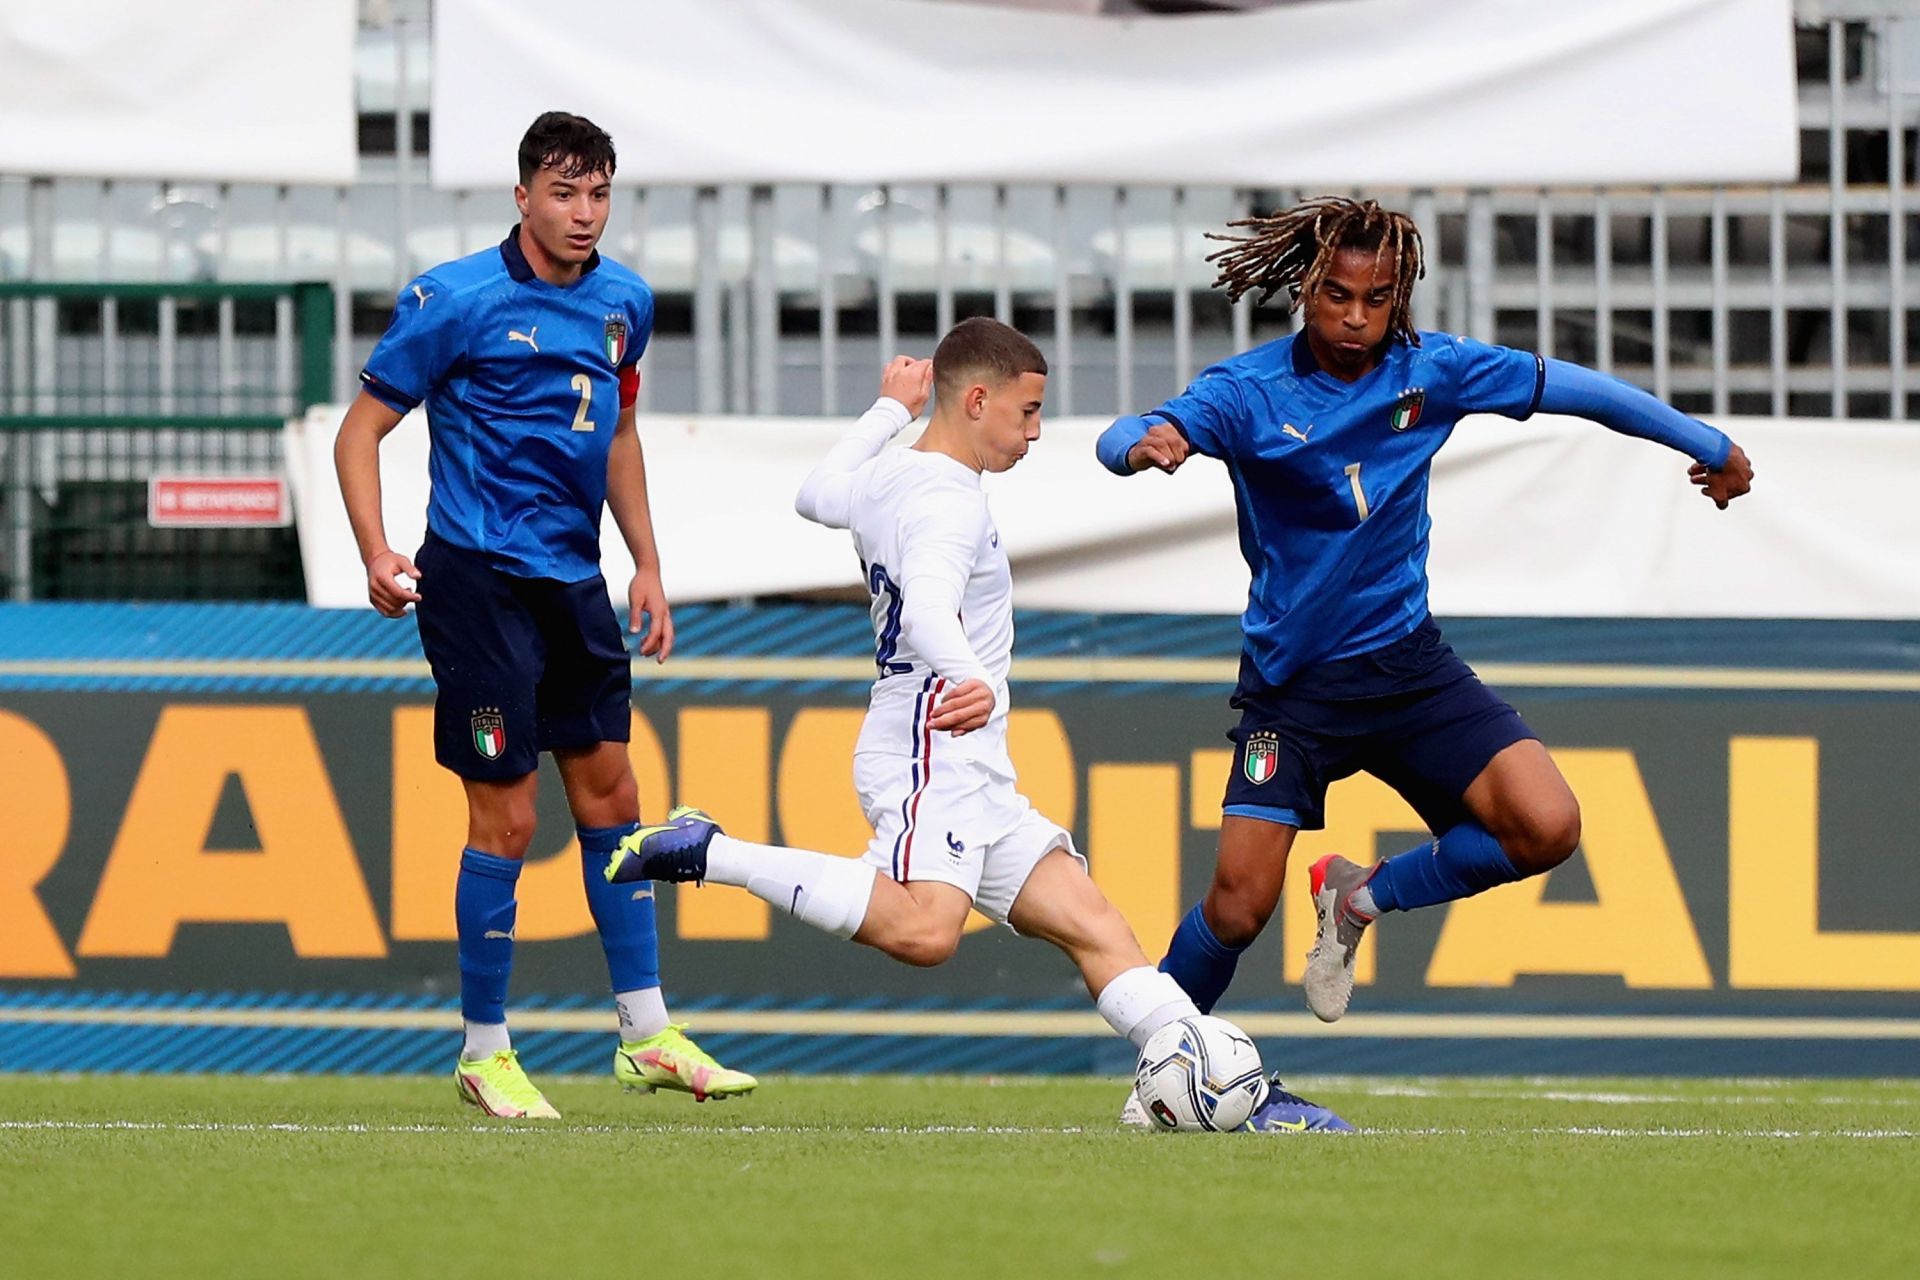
<point>522,383</point>
<point>1330,478</point>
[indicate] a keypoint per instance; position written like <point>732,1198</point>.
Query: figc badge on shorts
<point>489,733</point>
<point>616,340</point>
<point>1261,757</point>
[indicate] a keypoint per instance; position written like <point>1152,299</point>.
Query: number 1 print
<point>1359,494</point>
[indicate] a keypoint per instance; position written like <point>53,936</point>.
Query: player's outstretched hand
<point>385,590</point>
<point>1163,447</point>
<point>646,596</point>
<point>1734,478</point>
<point>909,381</point>
<point>967,707</point>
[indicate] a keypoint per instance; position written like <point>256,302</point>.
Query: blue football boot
<point>1285,1112</point>
<point>675,851</point>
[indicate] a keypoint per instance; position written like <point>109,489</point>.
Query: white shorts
<point>959,822</point>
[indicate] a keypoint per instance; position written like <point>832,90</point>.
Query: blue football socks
<point>1465,861</point>
<point>1201,963</point>
<point>483,913</point>
<point>623,913</point>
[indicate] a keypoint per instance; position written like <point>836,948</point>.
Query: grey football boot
<point>1329,977</point>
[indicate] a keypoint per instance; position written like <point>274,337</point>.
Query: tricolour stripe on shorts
<point>913,742</point>
<point>926,775</point>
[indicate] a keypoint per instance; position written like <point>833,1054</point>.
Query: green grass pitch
<point>161,1177</point>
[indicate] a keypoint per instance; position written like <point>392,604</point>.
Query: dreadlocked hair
<point>1293,250</point>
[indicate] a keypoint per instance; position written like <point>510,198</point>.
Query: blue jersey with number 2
<point>1330,478</point>
<point>521,379</point>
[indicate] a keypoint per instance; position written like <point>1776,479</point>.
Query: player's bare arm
<point>627,499</point>
<point>356,456</point>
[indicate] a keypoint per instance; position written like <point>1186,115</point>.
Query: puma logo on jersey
<point>498,933</point>
<point>514,335</point>
<point>421,294</point>
<point>1287,428</point>
<point>640,895</point>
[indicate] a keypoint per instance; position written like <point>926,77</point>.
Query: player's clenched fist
<point>386,590</point>
<point>967,706</point>
<point>1163,446</point>
<point>1734,477</point>
<point>909,381</point>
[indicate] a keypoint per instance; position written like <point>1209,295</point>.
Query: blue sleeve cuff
<point>1539,387</point>
<point>388,394</point>
<point>1720,452</point>
<point>1117,441</point>
<point>1619,406</point>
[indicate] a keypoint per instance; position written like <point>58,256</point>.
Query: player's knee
<point>1237,912</point>
<point>505,831</point>
<point>622,797</point>
<point>924,945</point>
<point>1545,837</point>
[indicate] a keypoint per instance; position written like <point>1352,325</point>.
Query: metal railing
<point>780,300</point>
<point>108,386</point>
<point>1791,298</point>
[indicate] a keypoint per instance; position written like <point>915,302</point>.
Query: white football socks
<point>484,1039</point>
<point>827,892</point>
<point>1141,1001</point>
<point>643,1013</point>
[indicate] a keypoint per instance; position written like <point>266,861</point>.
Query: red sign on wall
<point>218,502</point>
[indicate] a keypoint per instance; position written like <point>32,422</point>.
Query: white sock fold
<point>827,892</point>
<point>643,1013</point>
<point>1141,1001</point>
<point>484,1039</point>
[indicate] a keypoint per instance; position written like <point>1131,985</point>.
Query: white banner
<point>1554,517</point>
<point>1362,93</point>
<point>215,90</point>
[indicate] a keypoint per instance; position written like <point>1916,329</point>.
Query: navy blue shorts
<point>522,665</point>
<point>1410,713</point>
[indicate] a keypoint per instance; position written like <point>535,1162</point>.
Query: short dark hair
<point>982,345</point>
<point>573,145</point>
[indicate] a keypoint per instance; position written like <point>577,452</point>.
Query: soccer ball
<point>1200,1073</point>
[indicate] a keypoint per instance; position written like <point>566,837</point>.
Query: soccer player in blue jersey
<point>1328,435</point>
<point>526,356</point>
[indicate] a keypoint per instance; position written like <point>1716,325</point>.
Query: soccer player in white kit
<point>951,829</point>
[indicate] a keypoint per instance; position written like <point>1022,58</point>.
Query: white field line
<point>1613,1098</point>
<point>750,1130</point>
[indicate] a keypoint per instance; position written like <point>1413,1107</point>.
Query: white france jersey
<point>942,599</point>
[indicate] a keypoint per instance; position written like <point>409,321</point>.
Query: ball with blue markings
<point>1200,1074</point>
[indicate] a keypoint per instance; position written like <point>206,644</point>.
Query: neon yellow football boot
<point>498,1086</point>
<point>669,1060</point>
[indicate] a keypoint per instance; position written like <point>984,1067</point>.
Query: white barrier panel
<point>1362,93</point>
<point>1554,517</point>
<point>217,90</point>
